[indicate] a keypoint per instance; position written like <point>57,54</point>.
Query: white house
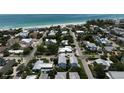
<point>31,77</point>
<point>62,60</point>
<point>66,49</point>
<point>60,75</point>
<point>64,42</point>
<point>50,41</point>
<point>79,32</point>
<point>39,65</point>
<point>26,42</point>
<point>15,51</point>
<point>64,32</point>
<point>52,33</point>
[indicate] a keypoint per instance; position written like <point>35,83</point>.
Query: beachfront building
<point>24,33</point>
<point>60,75</point>
<point>62,60</point>
<point>74,75</point>
<point>44,67</point>
<point>91,46</point>
<point>66,49</point>
<point>73,61</point>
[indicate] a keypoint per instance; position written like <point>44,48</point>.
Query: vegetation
<point>81,70</point>
<point>117,67</point>
<point>16,46</point>
<point>99,71</point>
<point>27,50</point>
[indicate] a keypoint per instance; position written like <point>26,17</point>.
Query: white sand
<point>44,26</point>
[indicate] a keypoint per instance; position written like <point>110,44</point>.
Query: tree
<point>15,46</point>
<point>27,50</point>
<point>117,67</point>
<point>52,48</point>
<point>5,53</point>
<point>99,71</point>
<point>41,49</point>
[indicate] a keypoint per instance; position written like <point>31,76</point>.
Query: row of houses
<point>62,60</point>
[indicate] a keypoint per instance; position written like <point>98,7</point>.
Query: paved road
<point>31,55</point>
<point>82,58</point>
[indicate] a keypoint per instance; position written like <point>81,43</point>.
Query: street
<point>82,58</point>
<point>31,55</point>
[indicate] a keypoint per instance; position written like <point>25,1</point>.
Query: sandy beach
<point>44,26</point>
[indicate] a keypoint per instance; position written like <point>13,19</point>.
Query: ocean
<point>28,20</point>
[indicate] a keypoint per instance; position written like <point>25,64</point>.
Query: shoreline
<point>44,26</point>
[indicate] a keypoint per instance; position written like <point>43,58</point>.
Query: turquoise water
<point>28,20</point>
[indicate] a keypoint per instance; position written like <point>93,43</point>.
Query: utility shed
<point>74,75</point>
<point>60,75</point>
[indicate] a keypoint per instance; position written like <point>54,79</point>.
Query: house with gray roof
<point>60,75</point>
<point>74,75</point>
<point>62,60</point>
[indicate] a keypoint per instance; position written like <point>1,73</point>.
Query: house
<point>117,31</point>
<point>109,48</point>
<point>31,77</point>
<point>60,75</point>
<point>66,49</point>
<point>16,51</point>
<point>79,32</point>
<point>8,67</point>
<point>24,33</point>
<point>116,74</point>
<point>103,41</point>
<point>64,42</point>
<point>106,63</point>
<point>64,32</point>
<point>26,42</point>
<point>74,75</point>
<point>120,40</point>
<point>62,60</point>
<point>91,46</point>
<point>39,65</point>
<point>44,76</point>
<point>73,61</point>
<point>50,41</point>
<point>52,33</point>
<point>2,62</point>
